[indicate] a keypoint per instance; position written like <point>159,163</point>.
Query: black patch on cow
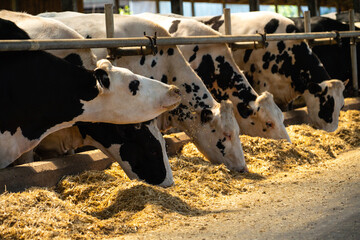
<point>139,147</point>
<point>174,79</point>
<point>88,36</point>
<point>247,55</point>
<point>327,104</point>
<point>193,57</point>
<point>281,46</point>
<point>134,86</point>
<point>244,110</point>
<point>205,96</point>
<point>187,88</point>
<point>142,60</point>
<point>174,26</point>
<point>11,31</point>
<point>252,68</point>
<point>164,79</point>
<point>215,22</point>
<point>291,28</point>
<point>161,52</point>
<point>74,59</point>
<point>102,77</point>
<point>206,116</point>
<point>274,68</point>
<point>314,88</point>
<point>170,51</point>
<point>271,26</point>
<point>221,146</point>
<point>45,92</point>
<point>153,63</point>
<point>267,58</point>
<point>182,113</point>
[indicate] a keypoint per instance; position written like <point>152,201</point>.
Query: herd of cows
<point>56,101</point>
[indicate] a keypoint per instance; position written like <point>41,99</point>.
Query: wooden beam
<point>254,5</point>
<point>177,7</point>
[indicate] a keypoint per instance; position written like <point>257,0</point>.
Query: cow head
<point>128,91</point>
<point>324,102</point>
<point>138,148</point>
<point>215,133</point>
<point>263,117</point>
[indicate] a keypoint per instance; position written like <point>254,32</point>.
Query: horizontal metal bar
<point>20,45</point>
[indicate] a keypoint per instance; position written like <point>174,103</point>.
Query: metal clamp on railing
<point>116,53</point>
<point>262,43</point>
<point>152,43</point>
<point>337,38</point>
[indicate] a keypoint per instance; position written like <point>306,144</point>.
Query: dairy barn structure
<point>309,188</point>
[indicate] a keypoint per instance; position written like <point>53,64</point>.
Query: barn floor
<point>321,202</point>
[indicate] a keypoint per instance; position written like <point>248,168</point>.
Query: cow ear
<point>314,88</point>
<point>206,116</point>
<point>102,77</point>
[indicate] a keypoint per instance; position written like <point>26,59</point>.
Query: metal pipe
<point>353,53</point>
<point>227,21</point>
<point>31,44</point>
<point>307,24</point>
<point>109,23</point>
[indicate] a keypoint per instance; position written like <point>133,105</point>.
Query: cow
<point>41,93</point>
<point>52,29</point>
<point>211,126</point>
<point>147,159</point>
<point>287,69</point>
<point>257,115</point>
<point>335,58</point>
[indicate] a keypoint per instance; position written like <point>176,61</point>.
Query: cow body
<point>335,58</point>
<point>138,148</point>
<point>41,94</point>
<point>256,115</point>
<point>287,69</point>
<point>52,29</point>
<point>212,126</point>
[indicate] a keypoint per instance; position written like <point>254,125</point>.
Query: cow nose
<point>244,170</point>
<point>174,91</point>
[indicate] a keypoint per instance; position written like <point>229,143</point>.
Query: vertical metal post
<point>177,6</point>
<point>313,7</point>
<point>353,53</point>
<point>157,6</point>
<point>227,21</point>
<point>276,6</point>
<point>192,8</point>
<point>307,23</point>
<point>254,5</point>
<point>109,21</point>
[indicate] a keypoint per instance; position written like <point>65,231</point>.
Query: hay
<point>105,204</point>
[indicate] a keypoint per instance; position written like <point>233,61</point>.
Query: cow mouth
<point>171,106</point>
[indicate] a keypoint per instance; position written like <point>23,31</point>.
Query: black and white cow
<point>257,115</point>
<point>212,126</point>
<point>139,148</point>
<point>287,69</point>
<point>41,94</point>
<point>335,58</point>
